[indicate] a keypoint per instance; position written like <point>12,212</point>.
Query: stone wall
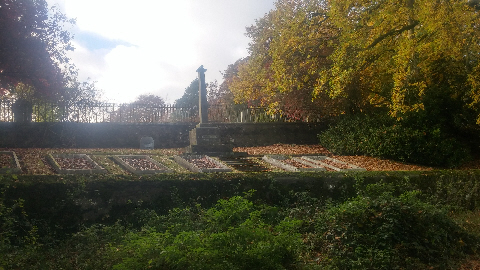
<point>168,135</point>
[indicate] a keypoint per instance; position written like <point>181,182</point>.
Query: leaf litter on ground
<point>32,160</point>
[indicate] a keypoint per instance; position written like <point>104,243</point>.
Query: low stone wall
<point>168,135</point>
<point>260,134</point>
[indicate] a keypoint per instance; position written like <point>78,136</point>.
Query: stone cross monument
<point>202,96</point>
<point>206,138</point>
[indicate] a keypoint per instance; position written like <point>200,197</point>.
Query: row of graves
<point>207,153</point>
<point>201,163</point>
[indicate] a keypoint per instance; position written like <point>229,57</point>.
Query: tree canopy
<point>403,54</point>
<point>410,57</point>
<point>145,108</point>
<point>290,45</point>
<point>33,46</point>
<point>189,98</point>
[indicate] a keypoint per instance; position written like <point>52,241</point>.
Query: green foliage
<point>382,136</point>
<point>381,231</point>
<point>384,227</point>
<point>231,235</point>
<point>18,237</point>
<point>190,96</point>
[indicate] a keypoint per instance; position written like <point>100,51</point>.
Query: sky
<point>155,46</point>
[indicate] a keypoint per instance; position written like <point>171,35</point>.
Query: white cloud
<point>160,43</point>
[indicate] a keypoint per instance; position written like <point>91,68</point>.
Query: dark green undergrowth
<point>374,230</point>
<point>292,221</point>
<point>385,137</point>
<point>377,230</point>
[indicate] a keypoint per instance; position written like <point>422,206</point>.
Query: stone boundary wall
<point>168,135</point>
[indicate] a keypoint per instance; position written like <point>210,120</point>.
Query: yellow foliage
<point>369,53</point>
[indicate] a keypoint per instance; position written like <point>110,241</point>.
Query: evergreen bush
<point>380,231</point>
<point>384,137</point>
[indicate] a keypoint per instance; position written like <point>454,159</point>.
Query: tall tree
<point>413,56</point>
<point>289,46</point>
<point>145,108</point>
<point>222,94</point>
<point>189,98</point>
<point>33,47</point>
<point>150,100</point>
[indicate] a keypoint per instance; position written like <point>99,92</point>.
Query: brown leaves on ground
<point>33,160</point>
<point>369,163</point>
<point>6,161</point>
<point>284,149</point>
<point>377,164</point>
<point>471,264</point>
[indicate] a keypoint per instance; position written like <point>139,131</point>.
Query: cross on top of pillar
<point>201,69</point>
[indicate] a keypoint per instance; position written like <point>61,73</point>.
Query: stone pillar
<point>205,138</point>
<point>202,96</point>
<point>22,111</point>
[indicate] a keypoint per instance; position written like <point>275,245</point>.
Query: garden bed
<point>201,163</point>
<point>74,164</point>
<point>9,162</point>
<point>330,163</point>
<point>245,164</point>
<point>33,160</point>
<point>140,164</point>
<point>291,164</point>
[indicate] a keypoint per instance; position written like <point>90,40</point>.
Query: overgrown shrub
<point>234,234</point>
<point>385,137</point>
<point>376,230</point>
<point>381,231</point>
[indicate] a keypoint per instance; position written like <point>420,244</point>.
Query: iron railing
<point>146,113</point>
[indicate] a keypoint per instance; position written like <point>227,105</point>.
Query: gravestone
<point>146,143</point>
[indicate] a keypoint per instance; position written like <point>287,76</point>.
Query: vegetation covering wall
<point>205,221</point>
<point>67,202</point>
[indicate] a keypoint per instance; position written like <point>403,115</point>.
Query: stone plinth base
<point>207,140</point>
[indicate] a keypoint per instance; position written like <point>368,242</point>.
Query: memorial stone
<point>205,138</point>
<point>146,143</point>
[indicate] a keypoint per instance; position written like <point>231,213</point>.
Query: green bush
<point>382,136</point>
<point>376,230</point>
<point>234,234</point>
<point>381,231</point>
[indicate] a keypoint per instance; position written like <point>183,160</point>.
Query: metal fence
<point>141,113</point>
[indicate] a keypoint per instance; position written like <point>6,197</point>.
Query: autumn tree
<point>222,94</point>
<point>290,46</point>
<point>145,109</point>
<point>416,58</point>
<point>34,67</point>
<point>413,57</point>
<point>33,47</point>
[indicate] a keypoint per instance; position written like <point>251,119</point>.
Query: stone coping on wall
<point>327,162</point>
<point>278,161</point>
<point>183,161</point>
<point>16,166</point>
<point>128,167</point>
<point>96,170</point>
